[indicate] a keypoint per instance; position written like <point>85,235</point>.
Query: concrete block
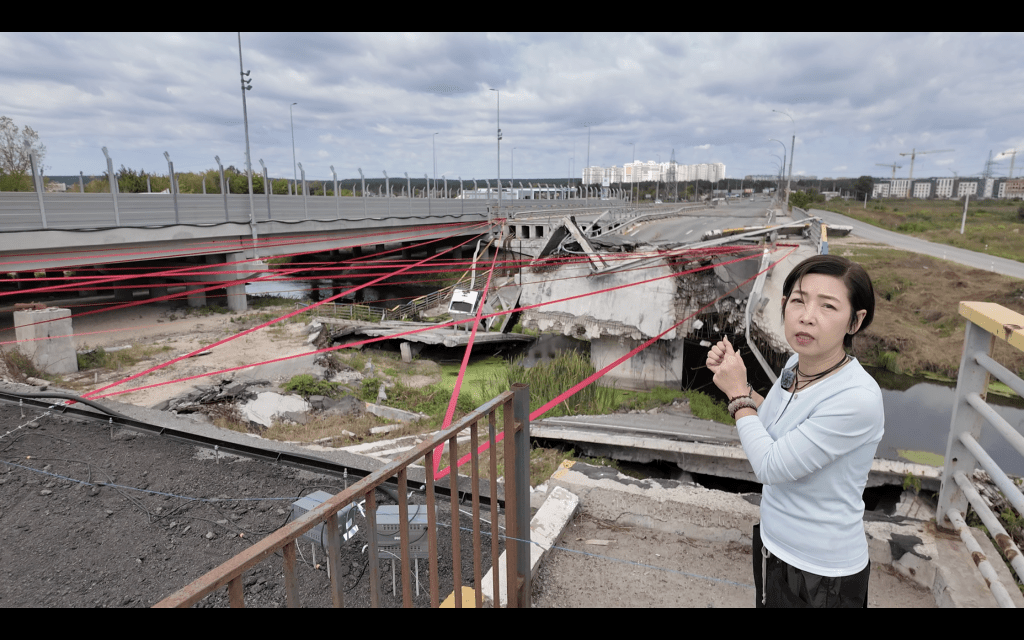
<point>390,413</point>
<point>268,405</point>
<point>46,337</point>
<point>545,529</point>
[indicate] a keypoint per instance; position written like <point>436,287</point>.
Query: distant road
<point>910,243</point>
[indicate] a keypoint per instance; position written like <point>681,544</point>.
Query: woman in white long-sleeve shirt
<point>811,440</point>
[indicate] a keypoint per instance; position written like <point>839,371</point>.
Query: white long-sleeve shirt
<point>812,451</point>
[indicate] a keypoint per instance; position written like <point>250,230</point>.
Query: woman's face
<point>817,317</point>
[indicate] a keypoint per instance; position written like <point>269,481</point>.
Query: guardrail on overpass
<point>986,322</point>
<point>28,211</point>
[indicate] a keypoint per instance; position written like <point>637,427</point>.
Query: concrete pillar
<point>158,289</point>
<point>406,251</point>
<point>46,338</point>
<point>234,295</point>
<point>236,298</point>
<point>196,298</point>
<point>357,252</point>
<point>410,350</point>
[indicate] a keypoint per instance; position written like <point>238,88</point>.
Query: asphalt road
<point>690,227</point>
<point>910,243</point>
<point>751,212</point>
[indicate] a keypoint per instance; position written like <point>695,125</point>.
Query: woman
<point>811,441</point>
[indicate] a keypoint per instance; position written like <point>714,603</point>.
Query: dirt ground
<point>646,568</point>
<point>69,544</point>
<point>917,308</point>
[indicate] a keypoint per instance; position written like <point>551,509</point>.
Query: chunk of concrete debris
<point>268,405</point>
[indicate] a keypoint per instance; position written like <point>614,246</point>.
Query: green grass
<point>993,226</point>
<point>99,358</point>
<point>307,385</point>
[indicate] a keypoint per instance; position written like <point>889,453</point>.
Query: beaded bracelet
<point>742,402</point>
<point>750,390</point>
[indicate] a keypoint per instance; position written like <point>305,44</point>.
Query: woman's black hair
<point>856,279</point>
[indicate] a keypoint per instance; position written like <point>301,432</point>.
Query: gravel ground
<point>69,544</point>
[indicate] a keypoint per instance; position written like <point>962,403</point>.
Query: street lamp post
<point>792,146</point>
<point>248,161</point>
<point>490,230</point>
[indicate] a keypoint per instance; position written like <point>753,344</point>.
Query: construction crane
<point>914,153</point>
<point>894,168</point>
<point>1013,156</point>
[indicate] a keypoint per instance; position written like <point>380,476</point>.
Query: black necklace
<point>788,376</point>
<point>809,379</point>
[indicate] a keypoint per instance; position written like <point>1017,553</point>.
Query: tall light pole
<point>498,104</point>
<point>248,161</point>
<point>783,154</point>
<point>792,146</point>
<point>295,172</point>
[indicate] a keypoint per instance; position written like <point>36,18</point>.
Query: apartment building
<point>652,171</point>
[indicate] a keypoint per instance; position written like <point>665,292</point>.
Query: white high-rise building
<point>652,171</point>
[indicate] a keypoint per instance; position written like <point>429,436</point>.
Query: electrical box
<point>346,527</point>
<point>389,531</point>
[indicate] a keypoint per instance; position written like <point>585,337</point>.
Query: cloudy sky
<point>375,101</point>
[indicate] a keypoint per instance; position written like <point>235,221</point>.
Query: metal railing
<point>27,211</point>
<point>346,311</point>
<point>986,322</point>
<point>515,406</point>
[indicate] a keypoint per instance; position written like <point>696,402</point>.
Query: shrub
<point>306,385</point>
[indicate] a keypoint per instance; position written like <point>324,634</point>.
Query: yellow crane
<point>914,153</point>
<point>894,168</point>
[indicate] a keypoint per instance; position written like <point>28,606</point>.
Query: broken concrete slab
<point>545,529</point>
<point>345,406</point>
<point>390,413</point>
<point>268,405</point>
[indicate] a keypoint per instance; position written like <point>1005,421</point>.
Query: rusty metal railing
<point>516,411</point>
<point>986,322</point>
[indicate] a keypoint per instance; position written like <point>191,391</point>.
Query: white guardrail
<point>986,323</point>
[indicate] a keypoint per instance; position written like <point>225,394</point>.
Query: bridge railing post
<point>305,208</point>
<point>113,186</point>
<point>173,187</point>
<point>37,182</point>
<point>267,187</point>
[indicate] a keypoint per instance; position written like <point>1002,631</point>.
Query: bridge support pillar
<point>196,298</point>
<point>235,293</point>
<point>158,289</point>
<point>123,295</point>
<point>406,251</point>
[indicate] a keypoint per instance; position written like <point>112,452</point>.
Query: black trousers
<point>787,586</point>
